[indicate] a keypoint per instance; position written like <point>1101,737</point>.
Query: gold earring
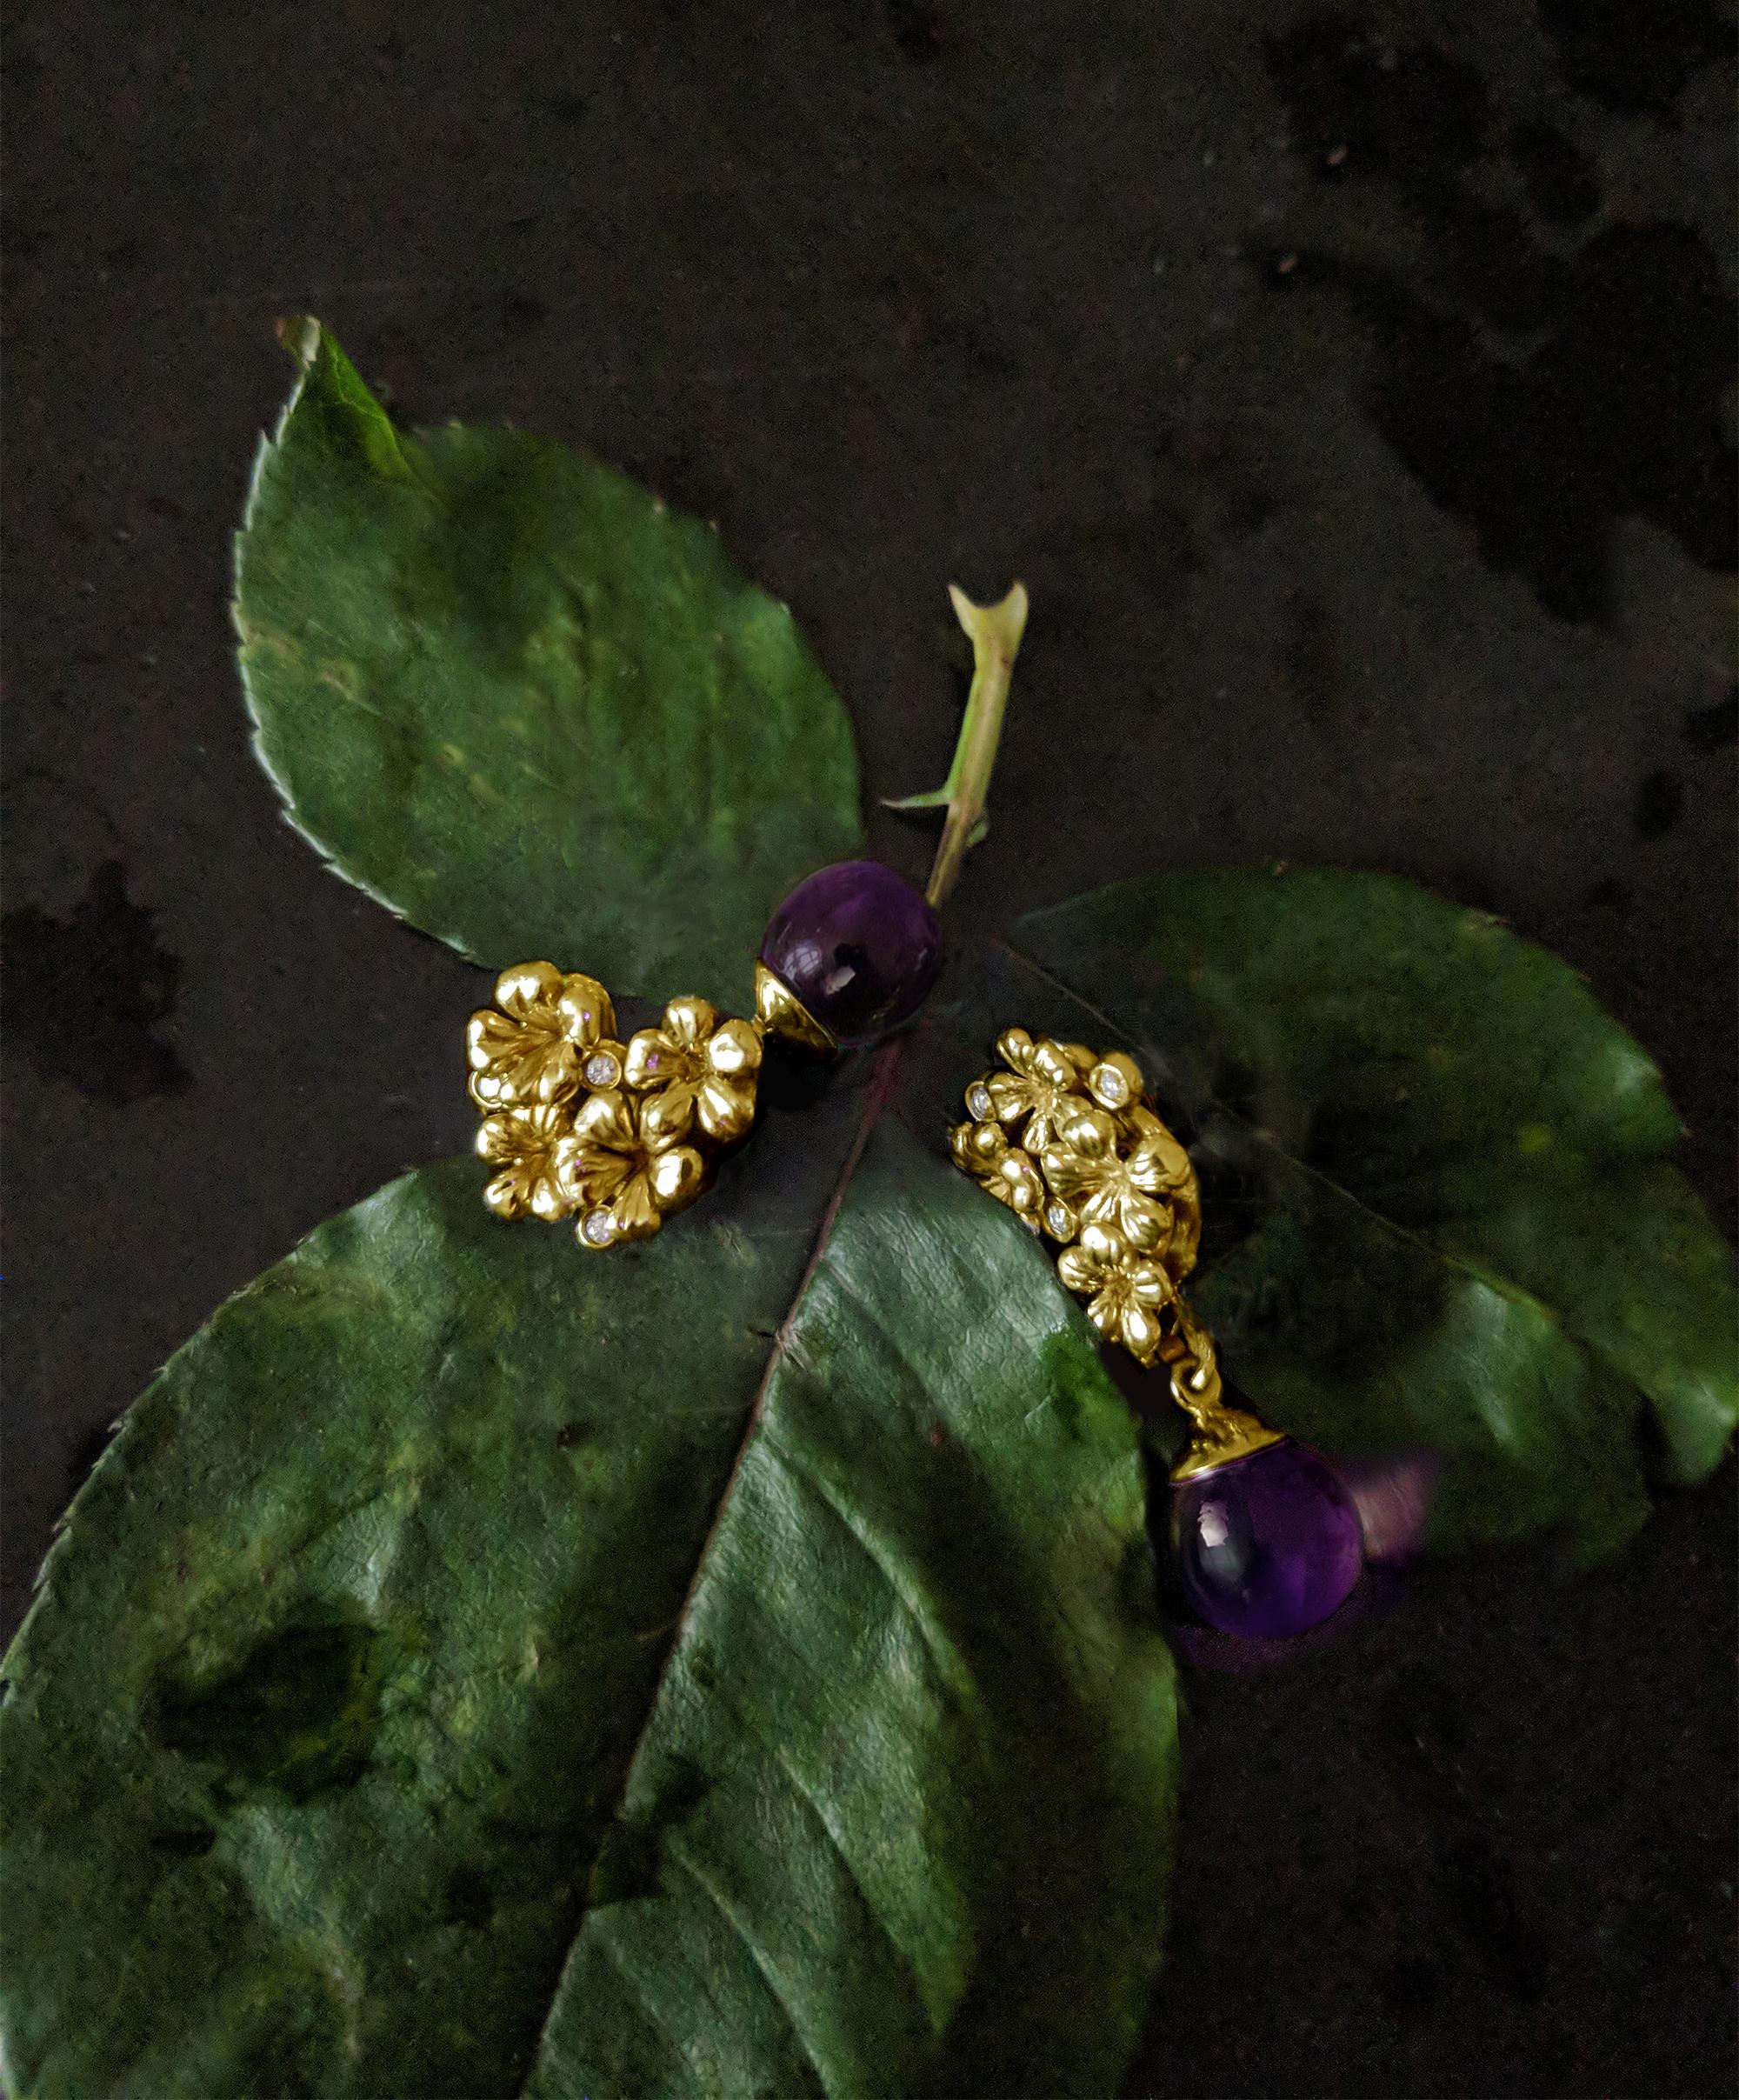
<point>1265,1538</point>
<point>618,1136</point>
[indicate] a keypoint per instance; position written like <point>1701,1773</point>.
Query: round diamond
<point>597,1229</point>
<point>1060,1221</point>
<point>601,1070</point>
<point>978,1101</point>
<point>1114,1089</point>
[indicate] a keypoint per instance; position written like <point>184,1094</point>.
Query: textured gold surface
<point>779,1011</point>
<point>1071,1142</point>
<point>1218,1433</point>
<point>578,1124</point>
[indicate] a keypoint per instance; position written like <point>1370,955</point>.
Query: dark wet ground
<point>1352,388</point>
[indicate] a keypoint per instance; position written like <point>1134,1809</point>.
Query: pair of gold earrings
<point>1264,1537</point>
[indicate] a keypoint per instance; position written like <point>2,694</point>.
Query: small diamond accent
<point>1113,1087</point>
<point>1059,1221</point>
<point>979,1101</point>
<point>601,1070</point>
<point>598,1229</point>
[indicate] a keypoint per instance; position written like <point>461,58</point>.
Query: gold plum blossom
<point>624,1177</point>
<point>1001,1169</point>
<point>1042,1084</point>
<point>526,1145</point>
<point>1088,1171</point>
<point>546,1034</point>
<point>698,1067</point>
<point>1127,1294</point>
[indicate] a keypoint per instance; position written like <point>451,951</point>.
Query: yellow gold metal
<point>622,1173</point>
<point>576,1122</point>
<point>778,1011</point>
<point>1001,1169</point>
<point>536,1047</point>
<point>1127,1294</point>
<point>525,1143</point>
<point>1041,1085</point>
<point>1071,1143</point>
<point>699,1067</point>
<point>1218,1434</point>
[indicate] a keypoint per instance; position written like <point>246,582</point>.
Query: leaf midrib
<point>884,1074</point>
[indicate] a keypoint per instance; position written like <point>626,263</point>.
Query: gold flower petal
<point>1146,1225</point>
<point>652,1060</point>
<point>1010,1096</point>
<point>606,1120</point>
<point>489,1035</point>
<point>505,1196</point>
<point>498,1140</point>
<point>1015,1181</point>
<point>1105,1309</point>
<point>734,1050</point>
<point>1079,1271</point>
<point>665,1116</point>
<point>583,1010</point>
<point>549,1202</point>
<point>676,1177</point>
<point>1014,1048</point>
<point>690,1021</point>
<point>727,1108</point>
<point>529,992</point>
<point>1070,1176</point>
<point>1103,1252</point>
<point>976,1146</point>
<point>565,1161</point>
<point>596,1175</point>
<point>1088,1132</point>
<point>1138,1329</point>
<point>1050,1063</point>
<point>1149,1285</point>
<point>1158,1164</point>
<point>635,1212</point>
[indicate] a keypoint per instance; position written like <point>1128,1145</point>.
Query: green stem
<point>994,632</point>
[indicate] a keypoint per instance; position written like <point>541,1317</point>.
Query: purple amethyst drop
<point>858,946</point>
<point>1268,1545</point>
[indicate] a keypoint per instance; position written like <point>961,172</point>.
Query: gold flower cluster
<point>1069,1142</point>
<point>577,1124</point>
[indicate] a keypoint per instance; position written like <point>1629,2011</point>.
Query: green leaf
<point>1439,1176</point>
<point>731,1665</point>
<point>479,1667</point>
<point>523,704</point>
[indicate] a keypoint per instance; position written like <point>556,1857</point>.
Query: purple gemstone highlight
<point>858,945</point>
<point>1267,1546</point>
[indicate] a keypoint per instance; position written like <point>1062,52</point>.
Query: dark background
<point>1350,389</point>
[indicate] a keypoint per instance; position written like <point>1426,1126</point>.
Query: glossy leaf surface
<point>1441,1203</point>
<point>525,704</point>
<point>481,1668</point>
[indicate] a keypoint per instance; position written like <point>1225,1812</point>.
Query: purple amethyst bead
<point>858,946</point>
<point>1268,1545</point>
